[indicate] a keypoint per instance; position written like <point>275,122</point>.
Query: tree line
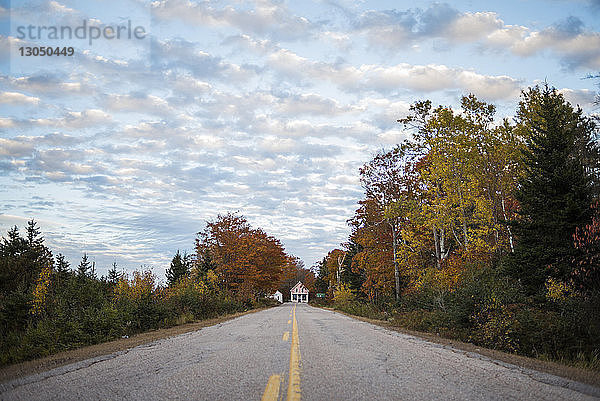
<point>484,230</point>
<point>47,306</point>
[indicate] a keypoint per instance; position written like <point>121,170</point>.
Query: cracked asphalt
<point>340,359</point>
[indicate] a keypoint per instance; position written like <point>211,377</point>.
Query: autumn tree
<point>445,192</point>
<point>334,264</point>
<point>375,261</point>
<point>247,261</point>
<point>586,269</point>
<point>351,273</point>
<point>384,181</point>
<point>467,170</point>
<point>555,191</point>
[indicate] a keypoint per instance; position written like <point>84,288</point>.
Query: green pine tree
<point>62,265</point>
<point>205,262</point>
<point>113,274</point>
<point>84,269</point>
<point>180,267</point>
<point>555,191</point>
<point>321,282</point>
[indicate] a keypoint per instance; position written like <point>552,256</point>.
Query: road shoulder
<point>589,377</point>
<point>22,369</point>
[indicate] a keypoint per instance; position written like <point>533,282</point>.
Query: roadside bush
<point>492,311</point>
<point>343,296</point>
<point>363,309</point>
<point>264,303</point>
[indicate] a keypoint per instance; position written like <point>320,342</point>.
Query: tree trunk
<point>510,236</point>
<point>443,252</point>
<point>339,270</point>
<point>464,217</point>
<point>436,241</point>
<point>396,270</point>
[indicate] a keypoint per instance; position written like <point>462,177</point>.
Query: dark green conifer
<point>555,191</point>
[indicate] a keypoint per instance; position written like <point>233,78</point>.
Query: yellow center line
<point>286,335</point>
<point>293,393</point>
<point>272,390</point>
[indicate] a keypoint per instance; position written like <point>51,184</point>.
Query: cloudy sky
<point>269,108</point>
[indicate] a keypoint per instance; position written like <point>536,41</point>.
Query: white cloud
<point>576,46</point>
<point>470,26</point>
<point>140,103</point>
<point>580,97</point>
<point>60,8</point>
<point>393,136</point>
<point>312,104</point>
<point>267,17</point>
<point>48,84</point>
<point>278,145</point>
<point>16,97</point>
<point>384,79</point>
<point>70,120</point>
<point>7,122</point>
<point>15,148</point>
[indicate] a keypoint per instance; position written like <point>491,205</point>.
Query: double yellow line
<point>293,394</point>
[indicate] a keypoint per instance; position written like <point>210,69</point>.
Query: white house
<point>299,293</point>
<point>278,296</point>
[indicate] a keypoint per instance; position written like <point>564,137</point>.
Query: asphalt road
<point>291,353</point>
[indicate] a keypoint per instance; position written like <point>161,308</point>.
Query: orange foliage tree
<point>375,259</point>
<point>586,272</point>
<point>248,262</point>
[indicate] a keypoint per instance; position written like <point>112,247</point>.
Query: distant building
<point>278,296</point>
<point>299,293</point>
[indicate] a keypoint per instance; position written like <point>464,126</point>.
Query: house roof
<point>299,288</point>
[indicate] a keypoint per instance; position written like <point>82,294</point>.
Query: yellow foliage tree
<point>40,291</point>
<point>142,285</point>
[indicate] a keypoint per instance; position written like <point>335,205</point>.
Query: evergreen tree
<point>11,269</point>
<point>205,262</point>
<point>180,267</point>
<point>22,259</point>
<point>113,274</point>
<point>84,269</point>
<point>555,190</point>
<point>62,266</point>
<point>61,270</point>
<point>322,281</point>
<point>34,235</point>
